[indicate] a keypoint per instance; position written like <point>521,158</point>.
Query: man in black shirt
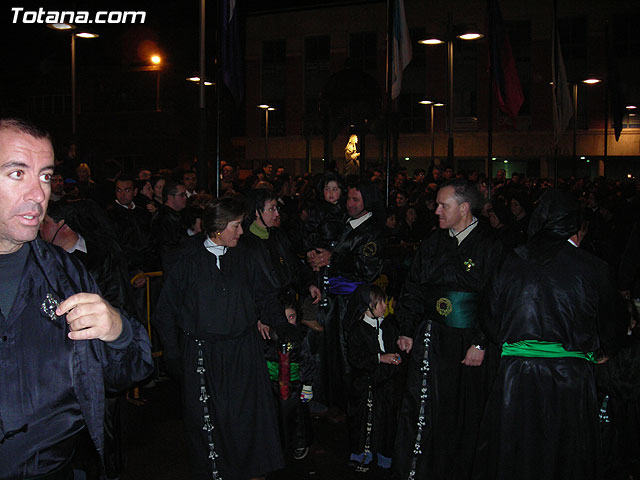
<point>61,343</point>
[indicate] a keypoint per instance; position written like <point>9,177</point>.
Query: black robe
<point>541,419</point>
<point>456,393</point>
<point>294,416</point>
<point>210,314</point>
<point>357,256</point>
<point>380,380</point>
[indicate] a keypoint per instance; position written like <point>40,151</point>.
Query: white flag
<point>562,102</point>
<point>402,52</point>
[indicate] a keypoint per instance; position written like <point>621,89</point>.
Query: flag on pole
<point>506,82</point>
<point>561,98</point>
<point>231,52</point>
<point>402,52</point>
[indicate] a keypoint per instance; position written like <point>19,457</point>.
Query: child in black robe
<point>375,392</point>
<point>291,370</point>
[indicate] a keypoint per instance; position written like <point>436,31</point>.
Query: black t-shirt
<point>11,266</point>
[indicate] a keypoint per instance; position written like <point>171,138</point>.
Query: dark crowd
<point>462,327</point>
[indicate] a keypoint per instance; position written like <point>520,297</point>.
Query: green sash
<point>274,369</point>
<point>458,309</point>
<point>540,349</point>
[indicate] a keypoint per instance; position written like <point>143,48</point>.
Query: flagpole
<point>606,101</point>
<point>488,169</point>
<point>201,167</point>
<point>388,102</point>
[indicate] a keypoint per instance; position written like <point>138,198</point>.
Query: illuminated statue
<point>351,154</point>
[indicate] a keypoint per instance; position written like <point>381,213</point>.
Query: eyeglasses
<point>272,209</point>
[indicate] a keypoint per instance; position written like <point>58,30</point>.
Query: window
<point>316,72</point>
<point>363,51</point>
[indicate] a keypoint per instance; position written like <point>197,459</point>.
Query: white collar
<point>80,244</point>
<point>464,233</point>
<point>374,322</point>
<point>213,247</point>
<point>356,222</point>
<point>572,242</point>
<point>133,205</point>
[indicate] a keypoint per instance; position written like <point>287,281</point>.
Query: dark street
<point>156,446</point>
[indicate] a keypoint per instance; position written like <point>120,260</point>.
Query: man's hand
<point>264,330</point>
<point>321,259</point>
<point>405,344</point>
<point>474,357</point>
<point>90,316</point>
<point>316,294</point>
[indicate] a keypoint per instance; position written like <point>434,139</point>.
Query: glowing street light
<point>463,32</point>
<point>267,109</point>
<point>431,104</point>
<point>70,28</point>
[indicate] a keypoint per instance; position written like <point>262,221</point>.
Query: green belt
<point>274,370</point>
<point>458,309</point>
<point>535,348</point>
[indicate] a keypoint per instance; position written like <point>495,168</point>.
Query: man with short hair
<point>132,225</point>
<point>355,259</point>
<point>267,169</point>
<point>168,228</point>
<point>57,186</point>
<point>190,181</point>
<point>438,313</point>
<point>61,343</point>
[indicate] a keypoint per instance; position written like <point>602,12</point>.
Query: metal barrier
<point>147,276</point>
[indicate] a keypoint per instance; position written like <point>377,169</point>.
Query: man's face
<point>190,181</point>
<point>57,184</point>
<point>448,173</point>
<point>270,214</point>
<point>449,211</point>
<point>501,175</point>
<point>268,169</point>
<point>26,166</point>
<point>436,174</point>
<point>178,201</point>
<point>227,173</point>
<point>144,175</point>
<point>125,191</point>
<point>49,228</point>
<point>355,204</point>
<point>279,171</point>
<point>401,200</point>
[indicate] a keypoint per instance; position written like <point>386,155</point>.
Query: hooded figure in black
<point>554,312</point>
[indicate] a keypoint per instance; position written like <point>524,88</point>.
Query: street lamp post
<point>267,109</point>
<point>463,32</point>
<point>590,80</point>
<point>431,104</point>
<point>156,60</point>
<point>69,27</point>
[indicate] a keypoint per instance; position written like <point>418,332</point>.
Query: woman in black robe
<point>206,318</point>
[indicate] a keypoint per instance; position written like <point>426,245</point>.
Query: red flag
<point>505,75</point>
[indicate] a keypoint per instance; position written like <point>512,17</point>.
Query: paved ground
<point>156,446</point>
